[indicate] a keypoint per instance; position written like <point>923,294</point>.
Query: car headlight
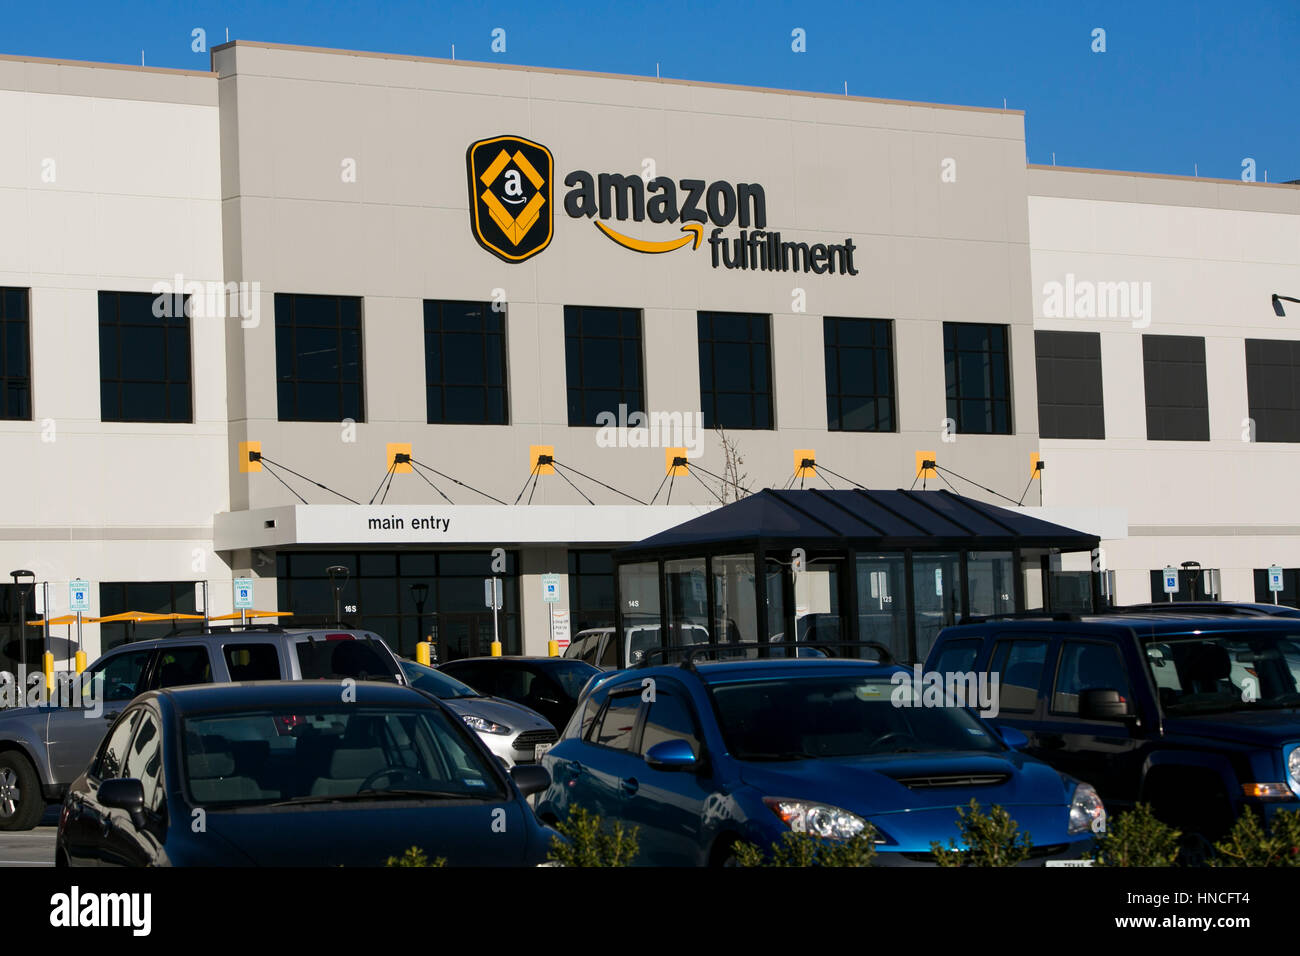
<point>1086,810</point>
<point>819,819</point>
<point>482,725</point>
<point>1293,766</point>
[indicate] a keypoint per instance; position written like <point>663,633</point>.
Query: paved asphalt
<point>30,847</point>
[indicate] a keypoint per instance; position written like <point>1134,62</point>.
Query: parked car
<point>42,749</point>
<point>712,754</point>
<point>598,647</point>
<point>1197,715</point>
<point>515,733</point>
<point>288,773</point>
<point>1227,608</point>
<point>548,685</point>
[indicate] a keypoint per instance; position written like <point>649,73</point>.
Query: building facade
<point>403,316</point>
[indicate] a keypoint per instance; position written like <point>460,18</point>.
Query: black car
<point>296,773</point>
<point>1197,715</point>
<point>548,685</point>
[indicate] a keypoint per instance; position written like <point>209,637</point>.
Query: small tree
<point>806,849</point>
<point>990,840</point>
<point>1249,843</point>
<point>414,856</point>
<point>585,841</point>
<point>1136,838</point>
<point>733,479</point>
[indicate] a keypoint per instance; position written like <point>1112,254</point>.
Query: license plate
<point>539,751</point>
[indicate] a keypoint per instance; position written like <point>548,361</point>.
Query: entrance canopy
<point>840,569</point>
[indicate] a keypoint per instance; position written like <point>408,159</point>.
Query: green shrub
<point>414,856</point>
<point>1248,843</point>
<point>806,849</point>
<point>990,839</point>
<point>586,841</point>
<point>1136,838</point>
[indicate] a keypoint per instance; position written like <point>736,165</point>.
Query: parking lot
<point>31,847</point>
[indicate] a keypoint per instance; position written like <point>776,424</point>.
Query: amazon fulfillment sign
<point>512,209</point>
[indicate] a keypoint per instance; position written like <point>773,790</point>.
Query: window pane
<point>318,352</point>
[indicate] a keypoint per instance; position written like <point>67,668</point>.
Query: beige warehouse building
<point>473,265</point>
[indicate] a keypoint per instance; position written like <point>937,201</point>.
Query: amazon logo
<point>510,196</point>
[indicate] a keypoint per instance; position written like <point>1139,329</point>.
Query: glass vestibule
<point>882,602</point>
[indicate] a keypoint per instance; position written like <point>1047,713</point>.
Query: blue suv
<point>701,756</point>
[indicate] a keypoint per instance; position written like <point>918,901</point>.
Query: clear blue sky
<point>1180,83</point>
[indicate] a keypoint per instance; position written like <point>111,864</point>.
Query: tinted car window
<point>589,711</point>
<point>957,657</point>
<point>144,761</point>
<point>477,676</point>
<point>1019,666</point>
<point>1087,666</point>
<point>572,675</point>
<point>178,666</point>
<point>609,654</point>
<point>669,718</point>
<point>118,678</point>
<point>333,660</point>
<point>618,722</point>
<point>112,758</point>
<point>252,661</point>
<point>435,682</point>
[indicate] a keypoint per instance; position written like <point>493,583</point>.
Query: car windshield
<point>1225,671</point>
<point>334,658</point>
<point>572,675</point>
<point>435,682</point>
<point>846,715</point>
<point>335,754</point>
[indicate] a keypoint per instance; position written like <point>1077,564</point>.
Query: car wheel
<point>21,802</point>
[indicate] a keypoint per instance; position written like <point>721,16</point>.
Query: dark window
<point>357,658</point>
<point>859,374</point>
<point>602,360</point>
<point>144,761</point>
<point>155,597</point>
<point>180,666</point>
<point>379,595</point>
<point>978,379</point>
<point>15,355</point>
<point>112,758</point>
<point>1087,666</point>
<point>1178,406</point>
<point>735,369</point>
<point>1069,385</point>
<point>1019,666</point>
<point>1191,586</point>
<point>591,590</point>
<point>619,722</point>
<point>465,364</point>
<point>669,718</point>
<point>252,661</point>
<point>144,358</point>
<point>318,358</point>
<point>957,657</point>
<point>1290,593</point>
<point>117,678</point>
<point>1273,388</point>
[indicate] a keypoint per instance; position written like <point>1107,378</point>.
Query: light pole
<point>419,592</point>
<point>1193,569</point>
<point>23,590</point>
<point>335,571</point>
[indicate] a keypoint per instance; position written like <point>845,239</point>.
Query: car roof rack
<point>1023,616</point>
<point>192,630</point>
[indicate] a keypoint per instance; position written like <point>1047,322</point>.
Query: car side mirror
<point>671,755</point>
<point>1013,738</point>
<point>1103,703</point>
<point>530,778</point>
<point>124,793</point>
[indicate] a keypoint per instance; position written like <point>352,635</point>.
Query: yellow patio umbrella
<point>251,614</point>
<point>65,619</point>
<point>141,617</point>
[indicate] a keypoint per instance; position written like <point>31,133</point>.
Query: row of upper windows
<point>145,369</point>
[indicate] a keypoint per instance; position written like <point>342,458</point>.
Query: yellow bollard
<point>553,648</point>
<point>81,661</point>
<point>49,671</point>
<point>422,653</point>
<point>496,648</point>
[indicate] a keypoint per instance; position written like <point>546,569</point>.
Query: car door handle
<point>630,786</point>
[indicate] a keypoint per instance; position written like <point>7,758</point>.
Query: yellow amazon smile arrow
<point>694,230</point>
